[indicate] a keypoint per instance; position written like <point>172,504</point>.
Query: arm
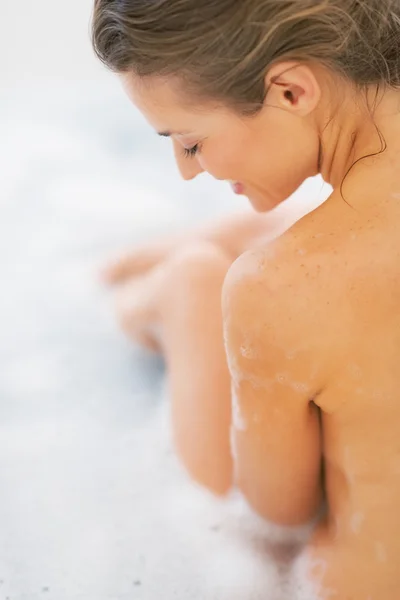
<point>276,433</point>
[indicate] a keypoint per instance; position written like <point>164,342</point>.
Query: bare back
<point>357,550</point>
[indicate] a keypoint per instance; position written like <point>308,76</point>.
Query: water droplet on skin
<point>318,568</point>
<point>302,388</point>
<point>381,553</point>
<point>247,351</point>
<point>356,522</point>
<point>238,420</point>
<point>233,445</point>
<point>355,371</point>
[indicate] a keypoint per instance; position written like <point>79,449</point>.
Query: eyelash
<point>191,152</point>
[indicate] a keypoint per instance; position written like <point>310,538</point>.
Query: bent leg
<point>199,381</point>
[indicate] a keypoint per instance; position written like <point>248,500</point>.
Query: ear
<point>293,86</point>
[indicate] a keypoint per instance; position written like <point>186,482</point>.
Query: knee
<point>198,264</point>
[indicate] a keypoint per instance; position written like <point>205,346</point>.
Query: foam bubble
<point>356,522</point>
<point>238,419</point>
<point>381,552</point>
<point>301,586</point>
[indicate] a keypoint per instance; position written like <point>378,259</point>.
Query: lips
<point>237,187</point>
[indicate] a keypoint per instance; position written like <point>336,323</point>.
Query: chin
<point>263,203</point>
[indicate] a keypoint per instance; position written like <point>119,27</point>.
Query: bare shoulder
<point>316,292</point>
<point>287,276</point>
<point>277,306</point>
<point>336,253</point>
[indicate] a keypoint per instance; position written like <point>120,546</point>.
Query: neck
<point>355,131</point>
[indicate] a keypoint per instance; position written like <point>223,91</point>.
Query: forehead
<point>151,93</point>
<point>165,107</point>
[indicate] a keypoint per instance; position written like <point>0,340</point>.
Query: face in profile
<point>265,157</point>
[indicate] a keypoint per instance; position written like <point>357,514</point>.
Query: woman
<point>266,93</point>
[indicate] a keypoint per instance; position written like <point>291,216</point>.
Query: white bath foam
<point>276,549</point>
<point>229,552</point>
<point>221,558</point>
<point>32,375</point>
<point>238,572</point>
<point>238,419</point>
<point>244,519</point>
<point>300,585</point>
<point>93,498</point>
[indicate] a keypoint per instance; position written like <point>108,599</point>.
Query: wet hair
<point>222,49</point>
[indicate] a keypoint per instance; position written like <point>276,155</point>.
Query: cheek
<point>277,158</point>
<point>224,160</point>
<point>285,157</point>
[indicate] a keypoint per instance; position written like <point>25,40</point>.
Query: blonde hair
<point>222,49</point>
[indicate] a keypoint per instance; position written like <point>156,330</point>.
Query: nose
<point>189,168</point>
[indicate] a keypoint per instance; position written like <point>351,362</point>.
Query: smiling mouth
<point>237,187</point>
